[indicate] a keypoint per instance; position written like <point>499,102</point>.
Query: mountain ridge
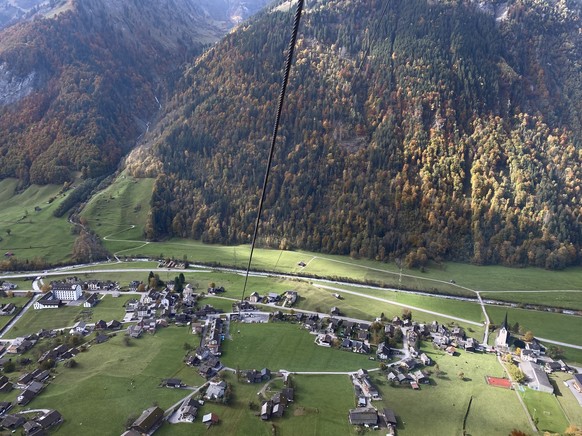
<point>79,87</point>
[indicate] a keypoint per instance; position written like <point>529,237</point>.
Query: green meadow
<point>120,210</point>
<point>285,346</point>
<point>24,219</point>
<point>114,382</point>
<point>545,411</point>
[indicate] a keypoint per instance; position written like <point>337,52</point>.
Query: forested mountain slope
<point>78,84</point>
<point>412,130</point>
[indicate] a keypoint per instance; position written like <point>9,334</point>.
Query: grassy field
<point>120,210</point>
<point>439,408</point>
<point>34,320</point>
<point>320,409</point>
<point>23,229</point>
<point>109,308</point>
<point>285,346</point>
<point>114,381</point>
<point>569,404</point>
<point>545,411</point>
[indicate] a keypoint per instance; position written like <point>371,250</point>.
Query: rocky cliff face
<point>232,12</point>
<point>14,88</point>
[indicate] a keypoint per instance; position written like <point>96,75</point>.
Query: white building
<point>67,292</point>
<point>47,301</point>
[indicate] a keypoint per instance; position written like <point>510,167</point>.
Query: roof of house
<point>210,418</point>
<point>148,419</point>
<point>51,418</point>
<point>388,415</point>
<point>363,415</point>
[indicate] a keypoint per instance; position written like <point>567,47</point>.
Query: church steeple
<point>504,325</point>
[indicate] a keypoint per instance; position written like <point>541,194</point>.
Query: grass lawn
<point>120,211</point>
<point>545,411</point>
<point>109,308</point>
<point>28,237</point>
<point>114,381</point>
<point>285,346</point>
<point>34,320</point>
<point>320,408</point>
<point>564,395</point>
<point>439,408</point>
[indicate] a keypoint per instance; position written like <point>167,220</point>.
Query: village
<point>394,344</point>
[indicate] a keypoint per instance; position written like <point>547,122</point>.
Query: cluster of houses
<point>207,356</point>
<point>407,372</point>
<point>30,385</point>
<point>288,299</point>
<point>532,360</point>
<point>370,417</point>
<point>275,407</point>
<point>31,427</point>
<point>364,389</point>
<point>189,409</point>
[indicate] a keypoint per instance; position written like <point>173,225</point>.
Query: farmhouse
<point>135,331</point>
<point>79,328</point>
<point>215,390</point>
<point>149,420</point>
<point>19,345</point>
<point>50,419</point>
<point>92,300</point>
<point>188,410</point>
<point>12,422</point>
<point>33,428</point>
<point>172,383</point>
<point>363,416</point>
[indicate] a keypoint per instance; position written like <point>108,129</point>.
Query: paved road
<point>564,344</point>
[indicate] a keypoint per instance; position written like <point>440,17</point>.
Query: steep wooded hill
<point>414,130</point>
<point>78,84</point>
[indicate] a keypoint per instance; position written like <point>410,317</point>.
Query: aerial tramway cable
<point>274,138</point>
